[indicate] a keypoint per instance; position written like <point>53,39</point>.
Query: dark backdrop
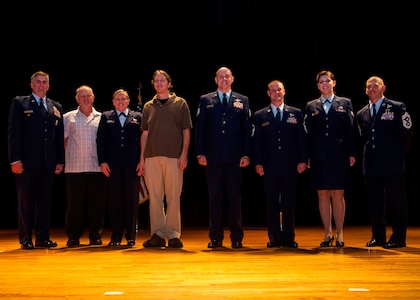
<point>113,44</point>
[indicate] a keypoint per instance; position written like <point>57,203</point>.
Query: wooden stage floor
<point>196,272</point>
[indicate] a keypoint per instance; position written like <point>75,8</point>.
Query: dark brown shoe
<point>154,241</point>
<point>175,243</point>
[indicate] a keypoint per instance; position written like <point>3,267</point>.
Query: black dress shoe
<point>237,244</point>
<point>131,243</point>
<point>292,244</point>
<point>97,242</point>
<point>273,244</point>
<point>214,244</point>
<point>375,243</point>
<point>27,246</point>
<point>73,243</point>
<point>394,244</point>
<point>114,244</point>
<point>45,244</point>
<point>327,243</point>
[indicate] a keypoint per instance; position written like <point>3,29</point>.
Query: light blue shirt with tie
<point>221,95</point>
<point>377,105</point>
<point>122,115</point>
<point>41,101</point>
<point>275,111</point>
<point>326,103</point>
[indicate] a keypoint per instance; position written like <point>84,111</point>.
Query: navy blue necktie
<point>373,111</point>
<point>224,101</point>
<point>278,114</point>
<point>41,106</point>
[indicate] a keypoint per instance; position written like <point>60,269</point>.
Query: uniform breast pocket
<point>341,114</point>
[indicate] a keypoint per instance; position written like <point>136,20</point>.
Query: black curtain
<point>113,44</point>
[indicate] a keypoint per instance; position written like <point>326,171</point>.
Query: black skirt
<point>330,175</point>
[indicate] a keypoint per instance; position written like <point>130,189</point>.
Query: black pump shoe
<point>339,244</point>
<point>327,243</point>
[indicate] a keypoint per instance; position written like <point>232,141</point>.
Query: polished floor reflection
<point>196,272</point>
